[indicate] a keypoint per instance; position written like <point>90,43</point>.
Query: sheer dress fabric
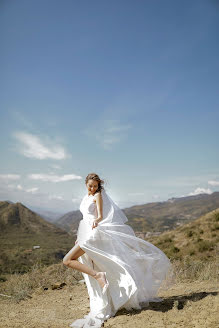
<point>136,269</point>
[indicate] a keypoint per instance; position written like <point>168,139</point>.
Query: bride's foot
<point>101,278</point>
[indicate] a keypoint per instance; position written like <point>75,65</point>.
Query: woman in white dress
<point>120,270</point>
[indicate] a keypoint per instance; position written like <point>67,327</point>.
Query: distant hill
<point>50,216</point>
<point>167,215</point>
<point>198,239</point>
<point>156,216</point>
<point>70,221</point>
<point>20,230</point>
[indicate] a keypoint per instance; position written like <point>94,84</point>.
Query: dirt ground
<point>184,305</point>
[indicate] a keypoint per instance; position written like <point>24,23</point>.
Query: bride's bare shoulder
<point>97,196</point>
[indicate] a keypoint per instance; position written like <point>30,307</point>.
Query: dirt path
<point>186,305</point>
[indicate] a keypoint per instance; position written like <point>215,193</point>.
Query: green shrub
<point>168,240</point>
<point>216,217</point>
<point>215,227</point>
<point>3,279</point>
<point>176,249</point>
<point>173,250</point>
<point>205,245</point>
<point>189,233</point>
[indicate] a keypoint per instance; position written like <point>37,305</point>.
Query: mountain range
<point>155,216</point>
<point>27,238</point>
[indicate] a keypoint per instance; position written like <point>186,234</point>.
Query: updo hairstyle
<point>94,176</point>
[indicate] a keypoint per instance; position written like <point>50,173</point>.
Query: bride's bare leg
<point>70,260</point>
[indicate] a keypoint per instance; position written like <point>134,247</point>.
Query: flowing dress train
<point>135,268</point>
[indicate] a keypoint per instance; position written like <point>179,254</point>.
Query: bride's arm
<point>99,203</point>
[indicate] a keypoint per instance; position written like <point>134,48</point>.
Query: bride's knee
<point>66,261</point>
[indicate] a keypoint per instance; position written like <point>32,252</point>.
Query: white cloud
<point>21,119</point>
<point>31,197</point>
<point>54,178</point>
<point>9,176</point>
<point>32,146</point>
<point>213,183</point>
<point>155,196</point>
<point>200,191</point>
<point>76,200</point>
<point>32,190</point>
<point>56,197</point>
<point>108,132</point>
<point>19,187</point>
<point>112,132</point>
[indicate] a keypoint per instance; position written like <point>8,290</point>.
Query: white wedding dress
<point>135,268</point>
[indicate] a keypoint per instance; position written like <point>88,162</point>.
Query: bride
<point>120,270</point>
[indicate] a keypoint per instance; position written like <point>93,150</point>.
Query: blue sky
<point>126,89</point>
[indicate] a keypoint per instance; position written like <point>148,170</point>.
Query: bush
<point>189,233</point>
<point>172,251</point>
<point>205,245</point>
<point>215,227</point>
<point>3,279</point>
<point>168,240</point>
<point>175,249</point>
<point>216,217</point>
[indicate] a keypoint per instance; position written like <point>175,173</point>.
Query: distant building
<point>34,247</point>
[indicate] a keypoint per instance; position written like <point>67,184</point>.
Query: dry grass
<point>188,270</point>
<point>196,240</point>
<point>20,287</point>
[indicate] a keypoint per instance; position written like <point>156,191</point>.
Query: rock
<point>58,285</point>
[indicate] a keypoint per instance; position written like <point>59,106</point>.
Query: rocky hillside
<point>162,216</point>
<point>20,230</point>
<point>198,239</point>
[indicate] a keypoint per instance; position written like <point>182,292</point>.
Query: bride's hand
<point>95,223</point>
